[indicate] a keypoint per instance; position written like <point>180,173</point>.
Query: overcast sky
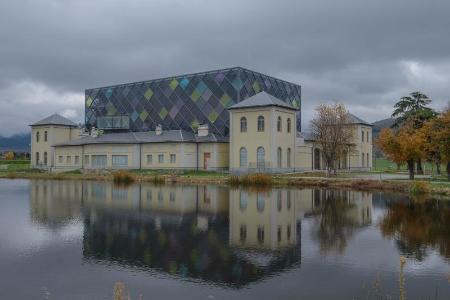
<point>365,54</point>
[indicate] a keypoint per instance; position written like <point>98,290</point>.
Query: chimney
<point>158,129</point>
<point>203,130</point>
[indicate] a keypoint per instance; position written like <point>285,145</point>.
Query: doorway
<point>206,157</point>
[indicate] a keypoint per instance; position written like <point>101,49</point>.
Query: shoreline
<point>294,181</point>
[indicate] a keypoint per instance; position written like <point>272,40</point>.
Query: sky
<point>365,54</point>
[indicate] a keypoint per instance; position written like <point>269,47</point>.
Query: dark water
<point>75,240</point>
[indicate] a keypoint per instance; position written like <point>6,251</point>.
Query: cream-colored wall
<point>219,159</point>
<point>131,150</point>
<point>55,135</point>
<point>68,151</point>
<point>270,138</point>
<point>303,157</point>
<point>361,146</point>
<point>184,154</point>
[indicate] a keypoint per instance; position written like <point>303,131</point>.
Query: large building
<point>231,119</point>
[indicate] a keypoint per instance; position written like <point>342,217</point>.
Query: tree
<point>9,155</point>
<point>407,145</point>
<point>413,109</point>
<point>332,132</point>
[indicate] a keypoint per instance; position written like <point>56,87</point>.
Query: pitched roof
<point>355,120</point>
<point>262,99</point>
<point>55,119</point>
<point>167,136</point>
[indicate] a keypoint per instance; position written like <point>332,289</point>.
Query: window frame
<point>261,124</point>
<point>243,124</point>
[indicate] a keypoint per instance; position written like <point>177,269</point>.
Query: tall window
<point>173,158</point>
<point>120,160</point>
<point>362,134</point>
<point>260,157</point>
<point>243,124</point>
<point>367,136</point>
<point>243,199</point>
<point>288,157</point>
<point>45,158</point>
<point>260,123</point>
<point>279,205</point>
<point>368,160</point>
<point>243,158</point>
<point>288,125</point>
<point>86,160</point>
<point>149,159</point>
<point>362,159</point>
<point>260,202</point>
<point>37,137</point>
<point>261,234</point>
<point>45,136</point>
<point>243,233</point>
<point>37,158</point>
<point>279,157</point>
<point>279,124</point>
<point>161,158</point>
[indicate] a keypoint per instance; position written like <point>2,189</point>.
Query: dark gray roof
<point>55,119</point>
<point>167,136</point>
<point>355,120</point>
<point>262,99</point>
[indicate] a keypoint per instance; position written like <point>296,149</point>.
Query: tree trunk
<point>419,167</point>
<point>411,169</point>
<point>448,170</point>
<point>438,168</point>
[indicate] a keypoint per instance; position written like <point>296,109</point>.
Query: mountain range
<point>17,143</point>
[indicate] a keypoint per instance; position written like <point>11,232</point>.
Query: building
<point>231,119</point>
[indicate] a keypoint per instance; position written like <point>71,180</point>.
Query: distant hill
<point>378,125</point>
<point>18,142</point>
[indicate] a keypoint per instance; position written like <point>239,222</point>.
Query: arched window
<point>260,202</point>
<point>288,157</point>
<point>279,124</point>
<point>279,204</point>
<point>37,137</point>
<point>37,158</point>
<point>45,136</point>
<point>243,199</point>
<point>260,123</point>
<point>45,157</point>
<point>260,157</point>
<point>288,125</point>
<point>362,134</point>
<point>279,157</point>
<point>243,158</point>
<point>243,124</point>
<point>362,159</point>
<point>367,161</point>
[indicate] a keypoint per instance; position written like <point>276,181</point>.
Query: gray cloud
<point>366,54</point>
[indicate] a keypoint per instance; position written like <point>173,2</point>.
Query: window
<point>45,136</point>
<point>60,159</point>
<point>367,161</point>
<point>86,159</point>
<point>120,160</point>
<point>243,233</point>
<point>261,234</point>
<point>149,196</point>
<point>68,159</point>
<point>99,161</point>
<point>367,136</point>
<point>288,200</point>
<point>243,158</point>
<point>362,134</point>
<point>149,159</point>
<point>172,196</point>
<point>243,199</point>
<point>362,159</point>
<point>279,124</point>
<point>37,158</point>
<point>279,157</point>
<point>160,196</point>
<point>288,232</point>
<point>260,157</point>
<point>173,158</point>
<point>37,137</point>
<point>45,158</point>
<point>279,200</point>
<point>288,157</point>
<point>77,159</point>
<point>260,123</point>
<point>260,202</point>
<point>243,124</point>
<point>279,234</point>
<point>161,158</point>
<point>288,125</point>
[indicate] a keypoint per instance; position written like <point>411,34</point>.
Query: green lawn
<point>14,165</point>
<point>385,165</point>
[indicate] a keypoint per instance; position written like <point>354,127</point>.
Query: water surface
<point>75,240</point>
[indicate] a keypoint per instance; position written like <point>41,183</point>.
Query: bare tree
<point>333,133</point>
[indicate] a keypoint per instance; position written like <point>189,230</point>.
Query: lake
<point>77,239</point>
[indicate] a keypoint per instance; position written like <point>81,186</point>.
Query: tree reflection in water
<point>418,227</point>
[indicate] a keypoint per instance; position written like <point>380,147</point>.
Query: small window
<point>288,157</point>
<point>45,136</point>
<point>68,159</point>
<point>77,159</point>
<point>45,158</point>
<point>120,160</point>
<point>149,159</point>
<point>173,158</point>
<point>161,158</point>
<point>243,124</point>
<point>260,123</point>
<point>288,125</point>
<point>37,137</point>
<point>362,134</point>
<point>86,159</point>
<point>279,124</point>
<point>60,159</point>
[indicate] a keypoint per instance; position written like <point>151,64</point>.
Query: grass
<point>258,179</point>
<point>385,165</point>
<point>419,187</point>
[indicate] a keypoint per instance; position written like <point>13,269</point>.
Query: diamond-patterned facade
<point>184,102</point>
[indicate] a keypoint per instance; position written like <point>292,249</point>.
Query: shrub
<point>419,187</point>
<point>158,179</point>
<point>123,177</point>
<point>258,179</point>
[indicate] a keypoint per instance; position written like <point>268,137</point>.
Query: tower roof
<point>55,119</point>
<point>260,100</point>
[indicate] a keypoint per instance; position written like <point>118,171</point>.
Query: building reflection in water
<point>212,233</point>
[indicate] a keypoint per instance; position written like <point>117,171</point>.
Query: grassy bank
<point>255,180</point>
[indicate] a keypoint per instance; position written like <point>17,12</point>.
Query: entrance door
<point>206,157</point>
<point>316,159</point>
